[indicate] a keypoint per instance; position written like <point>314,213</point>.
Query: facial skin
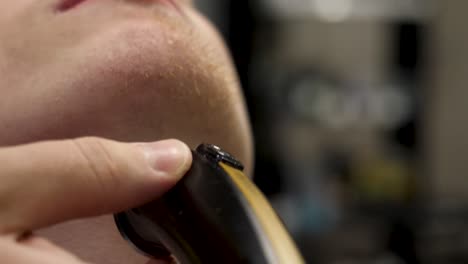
<point>129,70</point>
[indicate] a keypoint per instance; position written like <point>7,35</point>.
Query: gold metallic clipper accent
<point>283,246</point>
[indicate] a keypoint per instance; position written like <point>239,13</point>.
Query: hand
<point>46,183</point>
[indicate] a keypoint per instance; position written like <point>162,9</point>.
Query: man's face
<point>131,70</point>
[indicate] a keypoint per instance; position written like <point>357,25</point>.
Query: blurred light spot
<point>334,10</point>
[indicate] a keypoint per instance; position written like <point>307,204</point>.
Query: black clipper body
<point>215,214</point>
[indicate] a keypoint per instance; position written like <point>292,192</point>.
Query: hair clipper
<point>215,214</point>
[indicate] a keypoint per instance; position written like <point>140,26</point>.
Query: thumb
<point>50,182</point>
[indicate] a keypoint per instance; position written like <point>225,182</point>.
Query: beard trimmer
<point>215,214</point>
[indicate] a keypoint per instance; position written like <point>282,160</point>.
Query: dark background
<point>358,111</point>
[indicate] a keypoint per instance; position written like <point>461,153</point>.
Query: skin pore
<point>129,70</point>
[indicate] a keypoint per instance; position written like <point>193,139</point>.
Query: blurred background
<point>361,129</point>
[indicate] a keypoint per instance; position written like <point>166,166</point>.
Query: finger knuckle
<point>99,163</point>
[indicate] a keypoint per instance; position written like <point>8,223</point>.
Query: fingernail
<point>170,157</point>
